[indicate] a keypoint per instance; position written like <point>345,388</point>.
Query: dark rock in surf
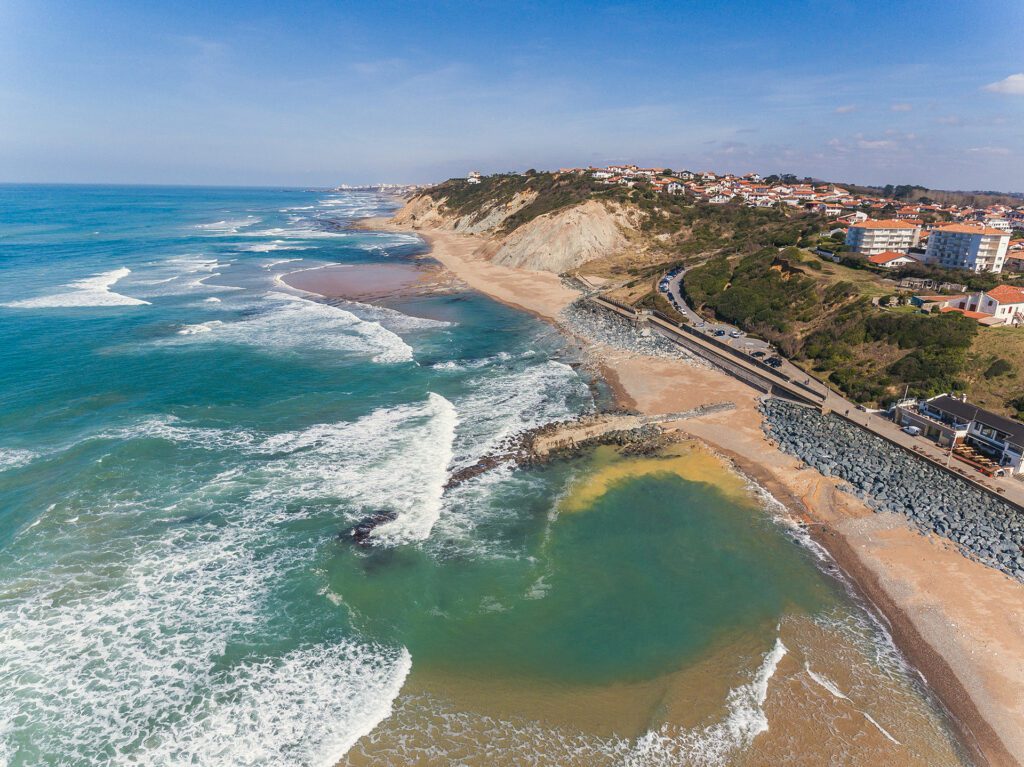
<point>360,533</point>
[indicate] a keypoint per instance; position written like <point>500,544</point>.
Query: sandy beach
<point>954,619</point>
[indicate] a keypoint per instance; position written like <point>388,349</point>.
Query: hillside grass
<point>993,388</point>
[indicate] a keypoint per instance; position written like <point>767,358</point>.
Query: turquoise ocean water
<point>182,438</point>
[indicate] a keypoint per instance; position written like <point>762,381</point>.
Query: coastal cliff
<point>520,231</point>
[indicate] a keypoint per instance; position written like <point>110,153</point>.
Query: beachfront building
<point>963,246</point>
<point>890,259</point>
<point>876,236</point>
<point>987,440</point>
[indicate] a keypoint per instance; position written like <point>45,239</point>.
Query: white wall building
<point>1003,302</point>
<point>962,246</point>
<point>873,237</point>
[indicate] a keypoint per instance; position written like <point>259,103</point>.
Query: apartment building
<point>963,246</point>
<point>874,237</point>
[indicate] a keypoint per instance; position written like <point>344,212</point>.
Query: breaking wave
<point>13,457</point>
<point>229,226</point>
<point>287,323</point>
<point>91,291</point>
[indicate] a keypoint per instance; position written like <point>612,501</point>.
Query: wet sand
<point>362,282</point>
<point>825,698</point>
<point>957,621</point>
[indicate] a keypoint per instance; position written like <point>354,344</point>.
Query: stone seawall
<point>889,479</point>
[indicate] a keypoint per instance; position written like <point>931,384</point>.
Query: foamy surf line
<point>91,291</point>
<point>167,698</point>
<point>288,323</point>
<point>831,686</point>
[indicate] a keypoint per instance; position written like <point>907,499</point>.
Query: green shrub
<point>999,367</point>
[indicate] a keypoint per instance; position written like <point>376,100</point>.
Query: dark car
<point>758,354</point>
<point>775,362</point>
<point>718,333</point>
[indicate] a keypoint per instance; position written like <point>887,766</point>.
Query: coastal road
<point>673,290</point>
<point>788,377</point>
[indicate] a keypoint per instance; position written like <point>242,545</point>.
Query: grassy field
<point>989,345</point>
<point>868,283</point>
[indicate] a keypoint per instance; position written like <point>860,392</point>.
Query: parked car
<point>735,334</point>
<point>757,354</point>
<point>913,431</point>
<point>718,333</point>
<point>775,362</point>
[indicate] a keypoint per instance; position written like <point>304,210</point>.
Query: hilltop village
<point>881,294</point>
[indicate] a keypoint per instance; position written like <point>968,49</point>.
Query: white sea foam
<point>13,457</point>
<point>393,319</point>
<point>125,653</point>
<point>202,327</point>
<point>185,275</point>
<point>125,659</point>
<point>91,291</point>
<point>831,686</point>
<point>825,682</point>
<point>273,246</point>
<point>474,364</point>
<point>307,708</point>
<point>393,459</point>
<point>880,728</point>
<point>278,262</point>
<point>499,407</point>
<point>287,323</point>
<point>229,226</point>
<point>714,744</point>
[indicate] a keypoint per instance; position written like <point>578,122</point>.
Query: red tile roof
<point>887,256</point>
<point>872,223</point>
<point>970,229</point>
<point>1006,294</point>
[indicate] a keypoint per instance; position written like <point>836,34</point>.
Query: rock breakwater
<point>586,320</point>
<point>889,479</point>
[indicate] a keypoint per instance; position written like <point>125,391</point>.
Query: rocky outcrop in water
<point>361,532</point>
<point>888,478</point>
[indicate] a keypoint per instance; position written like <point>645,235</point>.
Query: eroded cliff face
<point>558,242</point>
<point>562,240</point>
<point>424,212</point>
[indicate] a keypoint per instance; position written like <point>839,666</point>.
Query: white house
<point>1003,302</point>
<point>963,246</point>
<point>891,260</point>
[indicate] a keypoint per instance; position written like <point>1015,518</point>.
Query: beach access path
<point>958,622</point>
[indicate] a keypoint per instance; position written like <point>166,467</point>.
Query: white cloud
<point>846,109</point>
<point>1011,86</point>
<point>995,151</point>
<point>901,107</point>
<point>875,144</point>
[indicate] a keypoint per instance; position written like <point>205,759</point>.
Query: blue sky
<point>317,93</point>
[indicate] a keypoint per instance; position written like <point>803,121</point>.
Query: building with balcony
<point>988,440</point>
<point>876,236</point>
<point>963,246</point>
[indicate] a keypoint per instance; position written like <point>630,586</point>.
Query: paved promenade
<point>790,381</point>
